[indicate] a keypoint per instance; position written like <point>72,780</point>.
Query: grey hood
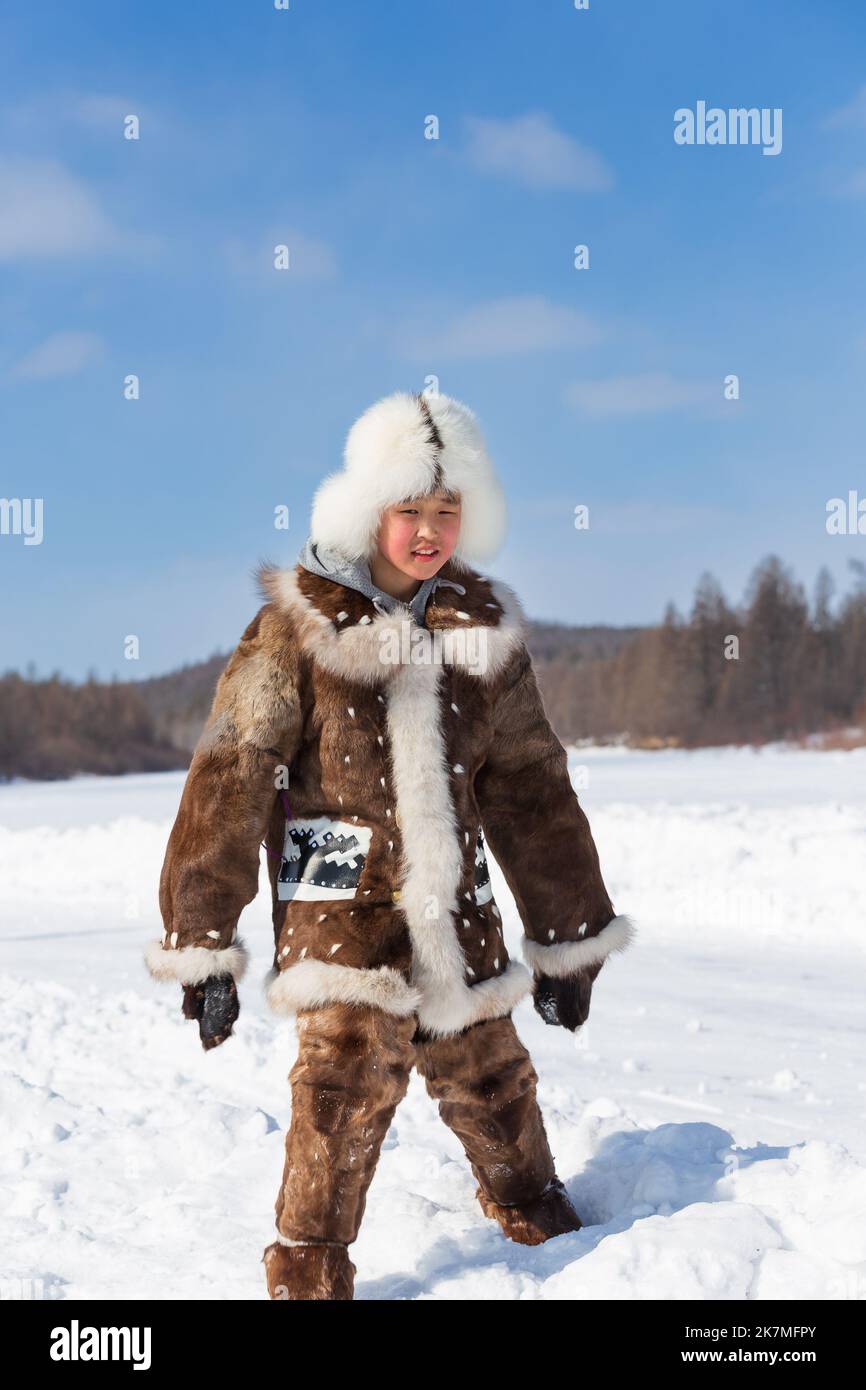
<point>355,574</point>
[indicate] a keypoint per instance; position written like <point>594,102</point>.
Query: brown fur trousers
<point>352,1071</point>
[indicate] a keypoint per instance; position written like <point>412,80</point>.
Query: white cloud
<point>519,324</point>
<point>852,114</point>
<point>63,354</point>
<point>309,258</point>
<point>102,112</point>
<point>532,151</point>
<point>46,211</point>
<point>854,186</point>
<point>649,393</point>
<point>96,111</point>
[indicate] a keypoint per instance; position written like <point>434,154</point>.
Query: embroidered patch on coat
<point>322,858</point>
<point>483,890</point>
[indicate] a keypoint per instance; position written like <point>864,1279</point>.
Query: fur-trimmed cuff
<point>192,965</point>
<point>563,958</point>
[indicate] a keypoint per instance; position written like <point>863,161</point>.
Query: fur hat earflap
<point>409,445</point>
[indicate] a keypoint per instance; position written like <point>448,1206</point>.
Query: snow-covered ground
<point>709,1121</point>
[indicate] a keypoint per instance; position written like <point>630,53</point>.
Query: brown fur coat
<point>398,750</point>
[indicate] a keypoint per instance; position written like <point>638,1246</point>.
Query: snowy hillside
<point>709,1121</point>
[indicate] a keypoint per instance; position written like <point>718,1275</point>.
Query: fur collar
<point>345,632</point>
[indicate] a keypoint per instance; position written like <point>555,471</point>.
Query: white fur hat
<point>405,445</point>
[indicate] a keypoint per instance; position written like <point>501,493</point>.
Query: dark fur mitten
<point>564,1000</point>
<point>215,1005</point>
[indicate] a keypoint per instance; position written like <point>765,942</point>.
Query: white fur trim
<point>287,1240</point>
<point>450,1011</point>
<point>360,652</point>
<point>392,453</point>
<point>192,965</point>
<point>312,983</point>
<point>353,652</point>
<point>432,864</point>
<point>568,957</point>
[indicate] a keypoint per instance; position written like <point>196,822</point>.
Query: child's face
<point>418,536</point>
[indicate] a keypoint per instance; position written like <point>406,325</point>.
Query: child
<point>378,721</point>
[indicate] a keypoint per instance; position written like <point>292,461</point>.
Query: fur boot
<point>315,1271</point>
<point>532,1223</point>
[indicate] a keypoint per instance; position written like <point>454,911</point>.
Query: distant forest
<point>794,669</point>
<point>777,666</point>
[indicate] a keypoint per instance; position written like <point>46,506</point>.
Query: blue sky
<point>411,258</point>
